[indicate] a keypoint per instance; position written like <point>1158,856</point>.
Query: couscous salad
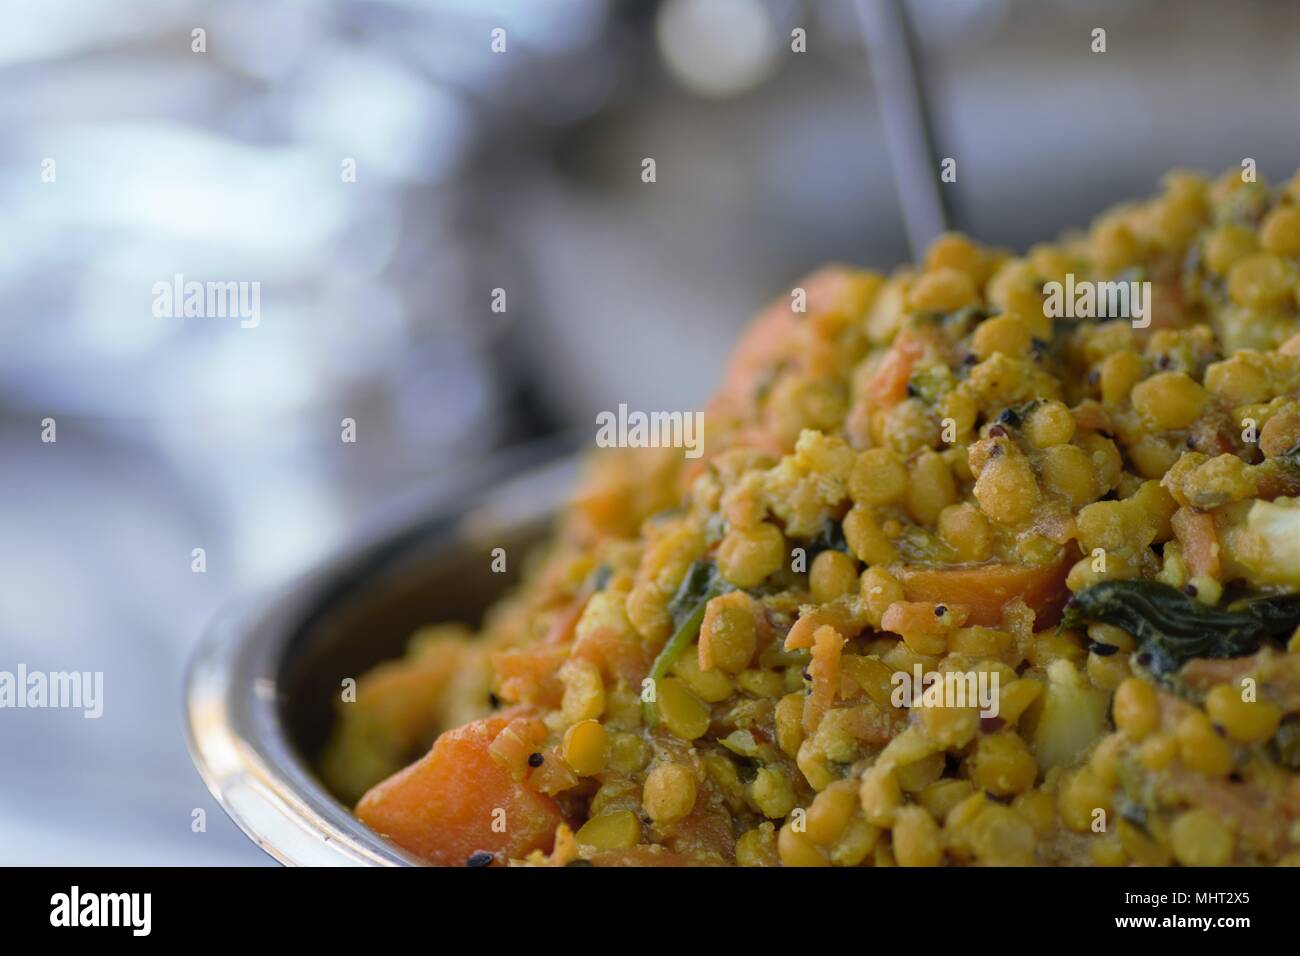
<point>992,561</point>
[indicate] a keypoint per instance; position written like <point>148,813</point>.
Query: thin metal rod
<point>891,57</point>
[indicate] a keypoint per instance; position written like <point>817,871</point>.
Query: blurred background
<point>475,170</point>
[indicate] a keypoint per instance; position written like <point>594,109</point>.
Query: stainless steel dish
<point>259,690</point>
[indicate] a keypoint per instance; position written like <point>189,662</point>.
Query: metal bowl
<point>260,688</point>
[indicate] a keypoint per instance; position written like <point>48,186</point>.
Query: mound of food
<point>993,561</point>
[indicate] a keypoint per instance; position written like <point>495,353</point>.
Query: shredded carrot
<point>825,673</point>
<point>1199,541</point>
<point>888,385</point>
<point>516,742</point>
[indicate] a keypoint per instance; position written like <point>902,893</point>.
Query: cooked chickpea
<point>1237,381</point>
<point>1169,400</point>
<point>628,753</point>
<point>1007,334</point>
<point>1002,837</point>
<point>864,535</point>
<point>1201,749</point>
<point>729,632</point>
<point>1248,722</point>
<point>878,477</point>
<point>916,838</point>
<point>1117,375</point>
<point>1067,471</point>
<point>1260,281</point>
<point>1136,708</point>
<point>832,575</point>
<point>712,685</point>
<point>952,250</point>
<point>1003,765</point>
<point>584,690</point>
<point>789,723</point>
<point>1006,489</point>
<point>1083,794</point>
<point>930,488</point>
<point>1048,424</point>
<point>747,556</point>
<point>942,796</point>
<point>772,793</point>
<point>1158,751</point>
<point>1199,838</point>
<point>684,714</point>
<point>880,796</point>
<point>965,529</point>
<point>1114,246</point>
<point>1279,233</point>
<point>796,849</point>
<point>950,728</point>
<point>831,811</point>
<point>878,590</point>
<point>1226,245</point>
<point>941,290</point>
<point>758,683</point>
<point>586,748</point>
<point>669,793</point>
<point>757,847</point>
<point>610,831</point>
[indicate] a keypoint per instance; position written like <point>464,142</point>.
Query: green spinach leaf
<point>702,583</point>
<point>1171,627</point>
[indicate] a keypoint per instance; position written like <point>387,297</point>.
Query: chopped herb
<point>1286,742</point>
<point>1171,627</point>
<point>715,528</point>
<point>829,538</point>
<point>1245,207</point>
<point>1134,813</point>
<point>702,584</point>
<point>1015,415</point>
<point>766,379</point>
<point>1200,283</point>
<point>666,513</point>
<point>600,577</point>
<point>961,320</point>
<point>931,383</point>
<point>1132,274</point>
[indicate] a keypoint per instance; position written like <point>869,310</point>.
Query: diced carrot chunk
<point>529,675</point>
<point>617,655</point>
<point>443,807</point>
<point>986,589</point>
<point>888,386</point>
<point>923,617</point>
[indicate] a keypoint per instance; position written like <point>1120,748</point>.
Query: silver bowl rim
<point>232,694</point>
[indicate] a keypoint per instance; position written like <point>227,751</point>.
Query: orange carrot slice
<point>451,803</point>
<point>987,588</point>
